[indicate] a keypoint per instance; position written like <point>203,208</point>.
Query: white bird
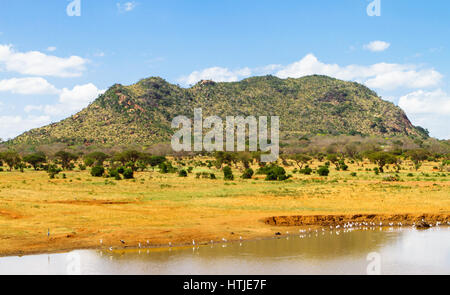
<point>110,248</point>
<point>148,242</point>
<point>170,244</point>
<point>139,245</point>
<point>101,242</point>
<point>193,242</point>
<point>223,239</point>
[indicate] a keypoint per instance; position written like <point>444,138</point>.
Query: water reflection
<point>403,251</point>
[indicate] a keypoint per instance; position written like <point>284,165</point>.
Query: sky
<point>57,56</point>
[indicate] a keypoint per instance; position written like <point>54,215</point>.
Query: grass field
<point>161,208</point>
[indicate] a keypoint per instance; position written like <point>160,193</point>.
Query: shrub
<point>212,176</point>
<point>53,170</point>
<point>391,178</point>
<point>353,174</point>
<point>343,166</point>
<point>248,173</point>
<point>228,173</point>
<point>410,175</point>
<point>307,170</point>
<point>277,173</point>
<point>120,170</point>
<point>97,171</point>
<point>182,173</point>
<point>128,173</point>
<point>323,171</point>
<point>166,167</point>
<point>376,170</point>
<point>113,173</point>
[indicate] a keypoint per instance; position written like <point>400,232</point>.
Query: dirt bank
<point>333,220</point>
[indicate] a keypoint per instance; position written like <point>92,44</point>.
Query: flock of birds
<point>346,227</point>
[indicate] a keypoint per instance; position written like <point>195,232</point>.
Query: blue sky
<point>53,64</point>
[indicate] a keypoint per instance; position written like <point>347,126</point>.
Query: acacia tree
<point>224,158</point>
<point>35,159</point>
<point>418,156</point>
<point>245,158</point>
<point>97,158</point>
<point>382,159</point>
<point>11,158</point>
<point>66,158</point>
<point>300,159</point>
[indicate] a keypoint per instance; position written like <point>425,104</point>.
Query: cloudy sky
<point>56,59</point>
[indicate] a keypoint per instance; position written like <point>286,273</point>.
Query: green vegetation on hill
<point>142,113</point>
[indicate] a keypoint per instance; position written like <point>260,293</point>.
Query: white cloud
<point>384,76</point>
<point>35,85</point>
<point>423,102</point>
<point>430,109</point>
<point>127,6</point>
<point>217,74</point>
<point>70,101</point>
<point>51,48</point>
<point>40,64</point>
<point>11,126</point>
<point>377,46</point>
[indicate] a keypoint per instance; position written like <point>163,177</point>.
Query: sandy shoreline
<point>272,226</point>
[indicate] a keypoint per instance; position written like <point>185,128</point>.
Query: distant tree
<point>245,158</point>
<point>224,158</point>
<point>66,158</point>
<point>333,158</point>
<point>300,159</point>
<point>96,158</point>
<point>127,156</point>
<point>418,156</point>
<point>155,161</point>
<point>35,159</point>
<point>382,159</point>
<point>11,158</point>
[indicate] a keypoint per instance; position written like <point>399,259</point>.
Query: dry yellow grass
<point>80,210</point>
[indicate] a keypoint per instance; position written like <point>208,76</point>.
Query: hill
<point>141,113</point>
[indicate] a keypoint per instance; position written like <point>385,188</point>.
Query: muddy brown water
<point>370,250</point>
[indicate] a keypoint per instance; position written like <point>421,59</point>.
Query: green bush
<point>323,171</point>
<point>128,173</point>
<point>353,174</point>
<point>277,173</point>
<point>212,176</point>
<point>228,173</point>
<point>53,170</point>
<point>248,173</point>
<point>182,173</point>
<point>113,172</point>
<point>307,170</point>
<point>97,171</point>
